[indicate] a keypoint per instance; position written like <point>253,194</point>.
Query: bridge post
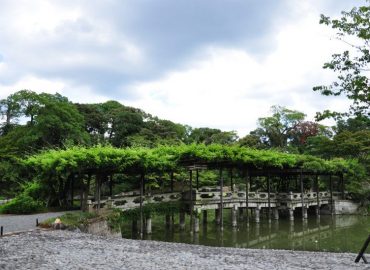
<point>218,216</point>
<point>222,201</point>
<point>90,206</point>
<point>331,195</point>
<point>168,221</point>
<point>205,216</point>
<point>257,214</point>
<point>191,199</point>
<point>196,222</point>
<point>247,187</point>
<point>148,225</point>
<point>305,212</point>
<point>241,212</point>
<point>141,204</point>
<point>269,196</point>
<point>291,214</point>
<point>182,220</point>
<point>276,213</point>
<point>197,179</point>
<point>234,211</point>
<point>342,186</point>
<point>317,196</point>
<point>302,194</point>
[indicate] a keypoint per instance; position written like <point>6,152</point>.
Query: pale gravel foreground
<point>73,250</point>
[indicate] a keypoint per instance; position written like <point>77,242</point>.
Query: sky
<point>205,63</point>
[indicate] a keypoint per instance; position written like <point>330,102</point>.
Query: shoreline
<point>48,249</point>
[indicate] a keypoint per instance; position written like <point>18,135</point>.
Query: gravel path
<point>15,223</point>
<point>42,249</point>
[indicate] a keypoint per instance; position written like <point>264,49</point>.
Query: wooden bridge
<point>199,201</point>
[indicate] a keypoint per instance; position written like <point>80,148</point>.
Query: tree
<point>352,65</point>
<point>29,103</point>
<point>276,130</point>
<point>211,135</point>
<point>353,124</point>
<point>54,122</point>
<point>252,141</point>
<point>10,110</point>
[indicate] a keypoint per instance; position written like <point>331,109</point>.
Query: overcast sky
<point>206,63</point>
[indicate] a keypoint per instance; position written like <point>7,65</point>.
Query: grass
<point>71,220</point>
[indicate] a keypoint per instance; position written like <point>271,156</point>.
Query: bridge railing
<point>132,200</point>
<point>208,195</point>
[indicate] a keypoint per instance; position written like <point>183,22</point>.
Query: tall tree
<point>276,130</point>
<point>351,65</point>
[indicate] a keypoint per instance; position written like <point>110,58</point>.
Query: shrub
<point>22,204</point>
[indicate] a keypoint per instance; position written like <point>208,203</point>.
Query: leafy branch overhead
<point>352,65</point>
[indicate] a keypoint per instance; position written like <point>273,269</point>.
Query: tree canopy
<point>352,65</point>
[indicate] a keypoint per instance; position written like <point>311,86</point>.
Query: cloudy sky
<point>214,63</point>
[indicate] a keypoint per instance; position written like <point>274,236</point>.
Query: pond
<point>327,233</point>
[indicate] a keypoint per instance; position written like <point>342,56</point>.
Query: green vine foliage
<point>108,159</point>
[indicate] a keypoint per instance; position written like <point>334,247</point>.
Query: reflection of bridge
<point>211,198</point>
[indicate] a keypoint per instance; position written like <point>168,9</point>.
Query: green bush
<point>22,204</point>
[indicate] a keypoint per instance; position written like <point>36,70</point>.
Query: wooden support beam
<point>191,199</point>
<point>141,204</point>
<point>317,193</point>
<point>231,180</point>
<point>331,194</point>
<point>197,179</point>
<point>111,185</point>
<point>302,195</point>
<point>222,200</point>
<point>342,186</point>
<point>98,183</point>
<point>72,189</point>
<point>247,186</point>
<point>171,176</point>
<point>269,196</point>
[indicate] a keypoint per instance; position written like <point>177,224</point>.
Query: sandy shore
<point>73,250</point>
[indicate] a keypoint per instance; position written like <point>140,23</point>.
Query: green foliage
<point>29,201</point>
<point>168,158</point>
<point>352,65</point>
<point>22,204</point>
<point>211,136</point>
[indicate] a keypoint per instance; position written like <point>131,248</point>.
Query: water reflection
<point>327,233</point>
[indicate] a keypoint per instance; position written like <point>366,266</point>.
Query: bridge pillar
<point>291,214</point>
<point>218,216</point>
<point>204,216</point>
<point>148,225</point>
<point>241,212</point>
<point>304,212</point>
<point>234,211</point>
<point>196,224</point>
<point>168,221</point>
<point>276,213</point>
<point>317,210</point>
<point>182,220</point>
<point>257,214</point>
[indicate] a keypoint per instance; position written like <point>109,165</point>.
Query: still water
<point>327,233</point>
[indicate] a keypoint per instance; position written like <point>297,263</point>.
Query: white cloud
<point>64,47</point>
<point>230,88</point>
<point>73,92</point>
